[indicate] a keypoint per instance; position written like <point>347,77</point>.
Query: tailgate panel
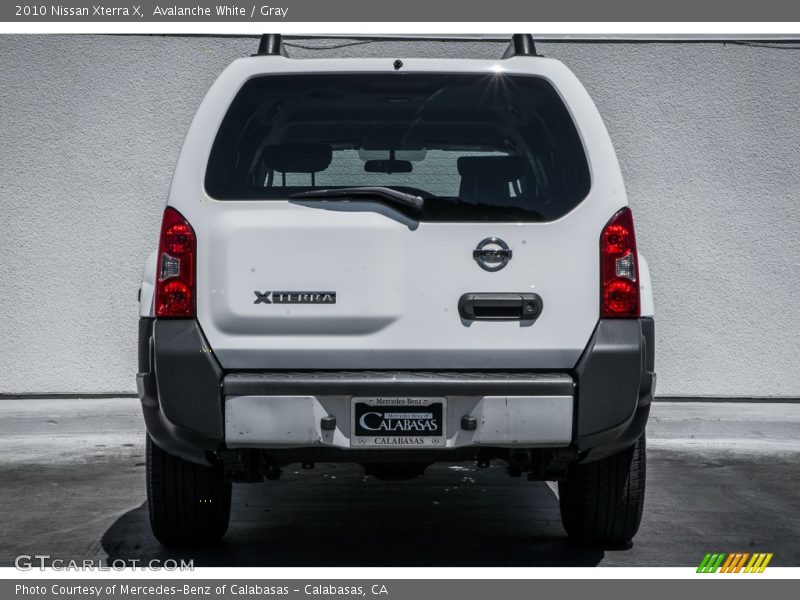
<point>397,290</point>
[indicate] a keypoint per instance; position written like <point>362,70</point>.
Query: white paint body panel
<point>397,282</point>
<point>645,288</point>
<point>294,421</point>
<point>147,289</point>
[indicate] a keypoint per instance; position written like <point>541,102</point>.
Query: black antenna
<point>521,45</point>
<point>271,44</point>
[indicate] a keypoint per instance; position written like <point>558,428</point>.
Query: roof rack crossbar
<point>271,44</point>
<point>521,45</point>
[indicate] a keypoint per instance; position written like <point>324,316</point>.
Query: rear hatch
<point>294,273</point>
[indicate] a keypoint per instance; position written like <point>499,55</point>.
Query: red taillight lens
<point>179,239</point>
<point>619,271</point>
<point>176,300</point>
<point>176,263</point>
<point>615,239</point>
<point>620,298</point>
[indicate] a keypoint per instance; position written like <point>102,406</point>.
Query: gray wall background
<point>707,135</point>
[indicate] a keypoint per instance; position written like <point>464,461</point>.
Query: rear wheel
<point>189,504</point>
<point>602,501</point>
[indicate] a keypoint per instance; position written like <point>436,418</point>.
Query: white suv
<point>396,262</point>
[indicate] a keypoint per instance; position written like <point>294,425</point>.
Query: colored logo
<point>738,562</point>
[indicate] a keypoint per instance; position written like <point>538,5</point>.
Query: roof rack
<point>271,44</point>
<point>521,45</point>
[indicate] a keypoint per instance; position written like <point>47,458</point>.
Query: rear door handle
<point>500,307</point>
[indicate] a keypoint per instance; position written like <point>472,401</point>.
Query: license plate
<point>398,423</point>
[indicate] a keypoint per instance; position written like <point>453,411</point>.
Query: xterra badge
<point>295,297</point>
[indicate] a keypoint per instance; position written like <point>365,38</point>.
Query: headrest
<point>496,167</point>
<point>298,158</point>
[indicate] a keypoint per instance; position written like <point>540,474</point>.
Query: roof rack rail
<point>271,44</point>
<point>521,45</point>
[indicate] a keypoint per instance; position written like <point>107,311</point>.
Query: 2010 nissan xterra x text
<point>396,262</point>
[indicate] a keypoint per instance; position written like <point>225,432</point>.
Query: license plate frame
<point>402,422</point>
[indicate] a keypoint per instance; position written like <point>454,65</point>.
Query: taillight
<point>177,248</point>
<point>619,271</point>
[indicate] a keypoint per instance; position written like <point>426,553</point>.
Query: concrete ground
<point>721,477</point>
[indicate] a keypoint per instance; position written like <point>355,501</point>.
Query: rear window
<point>476,147</point>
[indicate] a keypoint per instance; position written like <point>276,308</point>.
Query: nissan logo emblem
<point>492,254</point>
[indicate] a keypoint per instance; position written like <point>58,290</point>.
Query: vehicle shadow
<point>455,515</point>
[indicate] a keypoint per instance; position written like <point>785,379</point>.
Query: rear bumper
<point>278,410</point>
<point>194,410</point>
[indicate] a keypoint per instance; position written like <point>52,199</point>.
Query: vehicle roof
<point>265,65</point>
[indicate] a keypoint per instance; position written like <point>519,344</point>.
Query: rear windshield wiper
<point>415,203</point>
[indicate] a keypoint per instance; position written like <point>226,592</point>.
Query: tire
<point>601,502</point>
<point>190,504</point>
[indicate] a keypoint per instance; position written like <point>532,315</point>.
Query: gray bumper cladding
<point>179,384</point>
<point>615,384</point>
